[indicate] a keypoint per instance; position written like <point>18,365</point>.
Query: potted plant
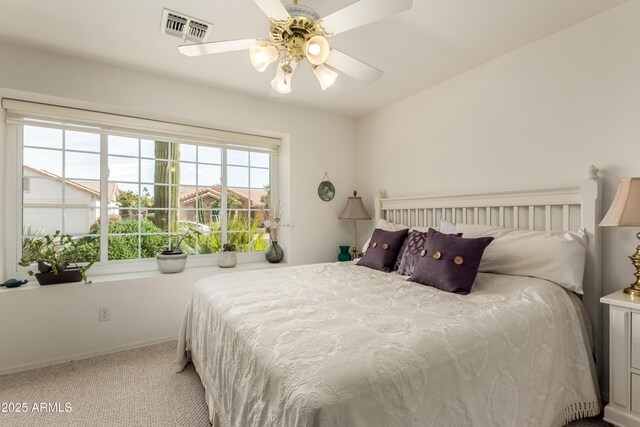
<point>172,259</point>
<point>57,257</point>
<point>227,258</point>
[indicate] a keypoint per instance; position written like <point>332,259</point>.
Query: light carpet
<point>138,387</point>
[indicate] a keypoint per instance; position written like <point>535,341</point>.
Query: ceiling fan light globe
<point>317,50</point>
<point>281,86</point>
<point>262,56</point>
<point>314,49</point>
<point>326,77</point>
<point>282,81</point>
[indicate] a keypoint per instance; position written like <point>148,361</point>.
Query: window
<point>128,196</point>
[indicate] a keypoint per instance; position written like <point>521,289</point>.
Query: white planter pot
<point>227,259</point>
<point>174,263</point>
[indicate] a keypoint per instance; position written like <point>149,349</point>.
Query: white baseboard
<point>58,361</point>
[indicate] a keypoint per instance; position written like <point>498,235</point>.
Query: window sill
<point>112,278</point>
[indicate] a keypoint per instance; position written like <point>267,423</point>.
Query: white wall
<point>57,323</point>
<point>538,116</point>
<point>313,142</point>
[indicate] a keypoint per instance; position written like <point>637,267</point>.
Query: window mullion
<point>19,231</point>
<point>273,184</point>
<point>223,202</point>
<point>139,211</point>
<point>64,182</point>
<point>104,198</point>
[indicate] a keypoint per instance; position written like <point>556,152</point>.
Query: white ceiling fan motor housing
<point>302,10</point>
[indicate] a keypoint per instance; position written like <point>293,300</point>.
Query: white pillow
<point>447,227</point>
<point>384,225</point>
<point>557,256</point>
<point>422,229</point>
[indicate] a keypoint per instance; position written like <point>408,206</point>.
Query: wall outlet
<point>103,314</point>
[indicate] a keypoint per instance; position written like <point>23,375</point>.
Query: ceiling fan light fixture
<point>325,76</point>
<point>317,50</point>
<point>282,81</point>
<point>262,56</point>
<point>297,32</point>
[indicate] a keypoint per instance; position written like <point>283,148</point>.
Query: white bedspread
<point>343,345</point>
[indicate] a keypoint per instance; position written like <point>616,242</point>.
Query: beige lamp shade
<point>262,56</point>
<point>317,50</point>
<point>625,209</point>
<point>354,209</point>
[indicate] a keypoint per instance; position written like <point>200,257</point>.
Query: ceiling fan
<point>298,33</point>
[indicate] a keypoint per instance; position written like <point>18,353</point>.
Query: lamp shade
<point>262,56</point>
<point>282,81</point>
<point>325,76</point>
<point>317,50</point>
<point>625,209</point>
<point>354,209</point>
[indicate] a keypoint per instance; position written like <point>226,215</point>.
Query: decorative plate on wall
<point>326,190</point>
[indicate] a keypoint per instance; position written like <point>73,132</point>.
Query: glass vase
<point>274,253</point>
<point>344,254</point>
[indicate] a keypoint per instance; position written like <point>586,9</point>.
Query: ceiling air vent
<point>197,31</point>
<point>185,27</point>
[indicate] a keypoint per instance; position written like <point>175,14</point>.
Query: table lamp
<point>625,212</point>
<point>354,210</point>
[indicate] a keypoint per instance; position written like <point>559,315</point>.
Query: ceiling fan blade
<point>274,9</point>
<point>362,13</point>
<point>353,67</point>
<point>216,47</point>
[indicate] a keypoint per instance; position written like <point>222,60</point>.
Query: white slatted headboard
<point>560,208</point>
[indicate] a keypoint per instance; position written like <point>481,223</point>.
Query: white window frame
<point>13,226</point>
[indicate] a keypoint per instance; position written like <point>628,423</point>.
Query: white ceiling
<point>416,49</point>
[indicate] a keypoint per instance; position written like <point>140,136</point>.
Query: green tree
<point>266,197</point>
<point>129,199</point>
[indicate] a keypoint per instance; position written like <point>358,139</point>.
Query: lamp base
<point>634,289</point>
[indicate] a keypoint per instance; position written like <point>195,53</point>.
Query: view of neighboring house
<point>210,199</point>
<point>43,190</point>
<point>42,199</point>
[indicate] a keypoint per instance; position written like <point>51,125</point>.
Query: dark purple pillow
<point>383,249</point>
<point>402,251</point>
<point>410,252</point>
<point>450,262</point>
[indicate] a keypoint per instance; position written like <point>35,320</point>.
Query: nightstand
<point>624,360</point>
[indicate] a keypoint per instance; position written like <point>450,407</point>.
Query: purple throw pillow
<point>403,250</point>
<point>449,262</point>
<point>383,249</point>
<point>410,252</point>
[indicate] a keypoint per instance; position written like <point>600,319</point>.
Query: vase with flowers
<point>272,222</point>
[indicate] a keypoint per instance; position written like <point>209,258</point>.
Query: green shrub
<point>211,243</point>
<point>126,247</point>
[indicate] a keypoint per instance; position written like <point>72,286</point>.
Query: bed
<point>342,345</point>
